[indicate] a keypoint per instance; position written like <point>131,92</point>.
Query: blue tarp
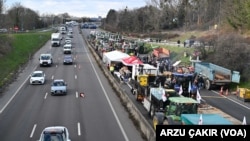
<point>207,119</point>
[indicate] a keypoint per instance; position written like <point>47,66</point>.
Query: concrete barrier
<point>139,120</point>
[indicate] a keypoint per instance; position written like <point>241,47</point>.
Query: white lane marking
<point>45,96</point>
<point>109,102</point>
<point>33,131</point>
<point>75,76</point>
<point>232,100</point>
<point>52,77</point>
<point>8,102</point>
<point>76,94</point>
<point>79,129</point>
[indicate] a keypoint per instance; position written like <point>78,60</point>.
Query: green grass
<point>23,46</point>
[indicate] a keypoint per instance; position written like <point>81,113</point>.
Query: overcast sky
<point>78,8</point>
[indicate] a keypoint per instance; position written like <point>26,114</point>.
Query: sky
<point>77,8</point>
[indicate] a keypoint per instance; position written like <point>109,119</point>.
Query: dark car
<point>68,59</point>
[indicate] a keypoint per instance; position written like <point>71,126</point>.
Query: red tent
<point>132,60</point>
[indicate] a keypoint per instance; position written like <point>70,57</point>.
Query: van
<point>67,49</point>
<point>56,39</point>
<point>62,29</point>
<point>45,59</point>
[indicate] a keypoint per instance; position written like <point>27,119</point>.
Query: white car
<point>68,40</point>
<point>67,49</point>
<point>55,133</point>
<point>37,77</point>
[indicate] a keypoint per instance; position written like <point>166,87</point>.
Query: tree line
<point>228,50</point>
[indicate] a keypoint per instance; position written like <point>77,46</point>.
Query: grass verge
<point>22,47</point>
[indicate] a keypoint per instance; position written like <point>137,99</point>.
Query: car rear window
<point>53,137</point>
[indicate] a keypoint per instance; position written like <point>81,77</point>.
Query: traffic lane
<point>119,115</point>
<point>19,116</point>
<point>227,104</point>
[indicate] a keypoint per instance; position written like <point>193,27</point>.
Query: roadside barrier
<point>139,120</point>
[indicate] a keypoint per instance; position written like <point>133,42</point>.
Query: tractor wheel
<point>207,84</point>
<point>158,119</point>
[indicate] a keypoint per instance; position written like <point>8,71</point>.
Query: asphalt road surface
<point>25,110</point>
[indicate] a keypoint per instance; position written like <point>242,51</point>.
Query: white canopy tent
<point>147,69</point>
<point>113,56</point>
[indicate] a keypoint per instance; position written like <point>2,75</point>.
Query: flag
<point>244,122</point>
<point>164,98</point>
<point>189,87</point>
<point>180,90</point>
<point>198,96</point>
<point>200,120</point>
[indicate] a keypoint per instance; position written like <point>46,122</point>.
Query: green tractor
<point>172,113</point>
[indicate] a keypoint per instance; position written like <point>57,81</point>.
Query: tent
<point>114,56</point>
<point>131,60</point>
<point>147,69</point>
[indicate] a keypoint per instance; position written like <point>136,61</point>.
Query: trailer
<point>215,75</point>
<point>204,119</point>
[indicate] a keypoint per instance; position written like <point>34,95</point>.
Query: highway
<point>25,110</point>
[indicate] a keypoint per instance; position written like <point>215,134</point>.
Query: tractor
<point>171,115</point>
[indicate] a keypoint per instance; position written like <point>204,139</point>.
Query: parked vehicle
<point>171,114</point>
<point>243,94</point>
<point>214,75</point>
<point>158,99</point>
<point>204,119</point>
<point>58,87</point>
<point>56,39</point>
<point>55,133</point>
<point>46,59</point>
<point>37,77</point>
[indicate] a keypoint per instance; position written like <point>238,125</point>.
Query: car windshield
<point>67,57</point>
<point>53,137</point>
<point>37,75</point>
<point>58,83</point>
<point>45,57</point>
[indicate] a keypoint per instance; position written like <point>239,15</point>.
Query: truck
<point>215,75</point>
<point>56,39</point>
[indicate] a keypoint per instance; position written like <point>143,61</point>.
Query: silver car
<point>55,133</point>
<point>58,87</point>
